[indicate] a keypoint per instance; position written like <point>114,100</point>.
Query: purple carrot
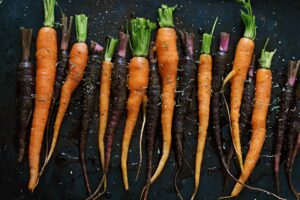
<point>153,114</point>
<point>88,100</point>
<point>286,100</point>
<point>25,90</point>
<point>187,74</point>
<point>291,145</point>
<point>60,72</point>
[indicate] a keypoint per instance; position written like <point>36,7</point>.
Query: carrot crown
<point>49,12</point>
<point>141,29</point>
<point>207,38</point>
<point>248,19</point>
<point>81,27</point>
<point>266,57</point>
<point>110,48</point>
<point>165,16</point>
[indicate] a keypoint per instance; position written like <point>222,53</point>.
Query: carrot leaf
<point>207,38</point>
<point>110,48</point>
<point>49,12</point>
<point>141,29</point>
<point>248,19</point>
<point>165,16</point>
<point>266,57</point>
<point>81,22</point>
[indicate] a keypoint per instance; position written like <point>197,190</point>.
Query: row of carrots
<point>152,82</point>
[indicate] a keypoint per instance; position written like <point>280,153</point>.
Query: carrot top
<point>141,29</point>
<point>81,27</point>
<point>165,16</point>
<point>110,48</point>
<point>49,12</point>
<point>248,19</point>
<point>206,42</point>
<point>266,57</point>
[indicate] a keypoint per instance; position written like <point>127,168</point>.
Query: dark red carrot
<point>187,74</point>
<point>89,95</point>
<point>297,126</point>
<point>25,90</point>
<point>291,137</point>
<point>61,68</point>
<point>286,100</point>
<point>221,59</point>
<point>118,97</point>
<point>153,114</point>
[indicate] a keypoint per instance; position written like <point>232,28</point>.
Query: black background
<point>276,19</point>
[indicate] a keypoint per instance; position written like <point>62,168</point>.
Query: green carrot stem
<point>266,57</point>
<point>81,22</point>
<point>110,48</point>
<point>49,12</point>
<point>165,16</point>
<point>207,38</point>
<point>141,29</point>
<point>248,19</point>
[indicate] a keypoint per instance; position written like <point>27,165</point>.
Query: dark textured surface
<point>277,19</point>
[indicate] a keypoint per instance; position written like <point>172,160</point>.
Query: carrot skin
<point>259,116</point>
<point>137,85</point>
<point>88,99</point>
<point>295,125</point>
<point>153,114</point>
<point>25,77</point>
<point>167,56</point>
<point>46,57</point>
<point>118,98</point>
<point>204,90</point>
<point>242,60</point>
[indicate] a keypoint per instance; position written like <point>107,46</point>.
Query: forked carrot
<point>46,58</point>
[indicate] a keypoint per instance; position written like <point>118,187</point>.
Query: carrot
<point>184,93</point>
<point>60,70</point>
<point>46,57</point>
<point>25,90</point>
<point>241,63</point>
<point>221,59</point>
<point>153,113</point>
<point>286,102</point>
<point>91,77</point>
<point>296,127</point>
<point>259,116</point>
<point>77,64</point>
<point>204,90</point>
<point>167,56</point>
<point>137,82</point>
<point>107,66</point>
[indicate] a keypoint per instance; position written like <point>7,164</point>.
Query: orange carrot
<point>107,66</point>
<point>259,117</point>
<point>46,57</point>
<point>204,91</point>
<point>77,64</point>
<point>238,75</point>
<point>167,56</point>
<point>137,82</point>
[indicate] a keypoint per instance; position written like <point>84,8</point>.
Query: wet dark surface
<point>276,19</point>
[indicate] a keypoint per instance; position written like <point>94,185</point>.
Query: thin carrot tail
<point>228,78</point>
<point>178,170</point>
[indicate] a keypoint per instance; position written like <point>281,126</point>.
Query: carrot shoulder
<point>167,56</point>
<point>204,92</point>
<point>259,117</point>
<point>238,75</point>
<point>46,57</point>
<point>137,82</point>
<point>77,64</point>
